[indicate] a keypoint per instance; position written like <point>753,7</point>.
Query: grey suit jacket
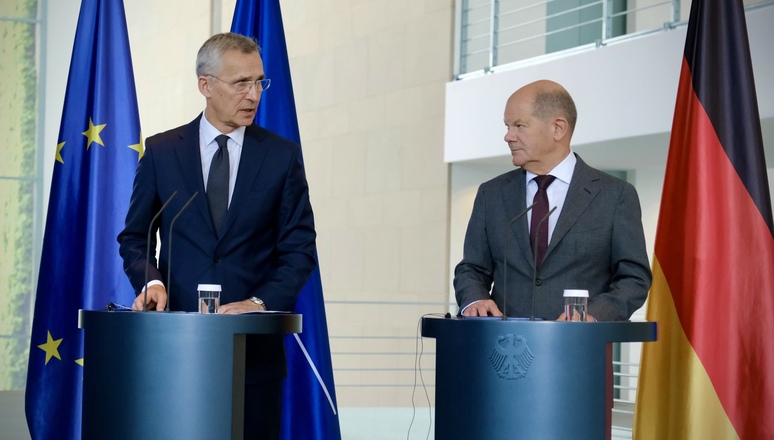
<point>598,244</point>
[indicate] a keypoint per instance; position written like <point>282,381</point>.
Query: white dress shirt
<point>208,147</point>
<point>557,191</point>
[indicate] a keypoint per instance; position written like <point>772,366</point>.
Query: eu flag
<point>98,149</point>
<point>309,400</point>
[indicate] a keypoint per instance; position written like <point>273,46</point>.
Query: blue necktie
<point>217,184</point>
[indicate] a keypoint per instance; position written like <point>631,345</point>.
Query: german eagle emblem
<point>511,357</point>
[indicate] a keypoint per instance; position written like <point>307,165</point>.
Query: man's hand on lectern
<point>589,318</point>
<point>157,299</point>
<point>485,307</point>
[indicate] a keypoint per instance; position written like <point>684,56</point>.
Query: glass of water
<point>209,298</point>
<point>575,304</point>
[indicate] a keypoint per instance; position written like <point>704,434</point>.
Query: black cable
<point>419,350</point>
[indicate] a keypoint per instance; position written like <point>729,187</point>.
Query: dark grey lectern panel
<point>168,375</point>
<point>518,379</point>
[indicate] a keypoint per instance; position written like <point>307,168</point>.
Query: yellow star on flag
<point>92,134</point>
<point>139,148</point>
<point>51,347</point>
<point>59,152</point>
<point>79,361</point>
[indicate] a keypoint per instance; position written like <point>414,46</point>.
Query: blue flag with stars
<point>97,152</point>
<point>309,410</point>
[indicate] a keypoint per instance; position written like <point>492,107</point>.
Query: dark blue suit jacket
<point>267,244</point>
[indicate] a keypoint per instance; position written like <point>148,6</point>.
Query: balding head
<point>549,100</point>
<point>540,118</point>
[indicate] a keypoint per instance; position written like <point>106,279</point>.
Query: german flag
<point>711,373</point>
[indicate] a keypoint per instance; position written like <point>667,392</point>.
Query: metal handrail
<point>485,59</point>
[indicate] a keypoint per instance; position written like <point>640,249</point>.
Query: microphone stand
<point>147,250</point>
<point>169,255</point>
<point>505,259</point>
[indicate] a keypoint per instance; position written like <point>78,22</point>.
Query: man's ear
<point>204,86</point>
<point>561,128</point>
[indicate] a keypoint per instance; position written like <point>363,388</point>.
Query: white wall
<point>625,90</point>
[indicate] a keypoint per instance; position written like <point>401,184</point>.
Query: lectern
<point>168,375</point>
<point>518,379</point>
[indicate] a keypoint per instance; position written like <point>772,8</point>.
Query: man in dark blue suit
<point>593,241</point>
<point>251,229</point>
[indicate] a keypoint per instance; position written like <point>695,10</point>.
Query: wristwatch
<point>259,302</point>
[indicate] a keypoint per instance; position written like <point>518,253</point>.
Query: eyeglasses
<point>242,87</point>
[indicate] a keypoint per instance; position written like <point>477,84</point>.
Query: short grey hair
<point>556,102</point>
<point>208,60</point>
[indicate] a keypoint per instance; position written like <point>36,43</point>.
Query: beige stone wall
<point>369,78</point>
<point>369,82</point>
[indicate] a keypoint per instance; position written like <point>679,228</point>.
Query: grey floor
<point>356,423</point>
<point>385,424</point>
<point>13,425</point>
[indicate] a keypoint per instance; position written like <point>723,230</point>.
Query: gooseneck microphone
<point>147,250</point>
<point>169,246</point>
<point>505,259</point>
<point>534,259</point>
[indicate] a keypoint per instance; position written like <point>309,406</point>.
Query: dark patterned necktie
<point>217,184</point>
<point>538,212</point>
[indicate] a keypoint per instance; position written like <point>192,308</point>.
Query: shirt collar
<point>563,171</point>
<point>209,132</point>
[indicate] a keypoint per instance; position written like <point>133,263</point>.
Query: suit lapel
<point>515,201</point>
<point>187,152</point>
<point>583,189</point>
<point>253,155</point>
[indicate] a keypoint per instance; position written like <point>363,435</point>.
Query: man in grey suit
<point>594,238</point>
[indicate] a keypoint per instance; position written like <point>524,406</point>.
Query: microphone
<point>534,256</point>
<point>505,259</point>
<point>147,249</point>
<point>169,256</point>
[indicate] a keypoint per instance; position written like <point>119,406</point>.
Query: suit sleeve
<point>473,276</point>
<point>629,265</point>
<point>134,238</point>
<point>295,249</point>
